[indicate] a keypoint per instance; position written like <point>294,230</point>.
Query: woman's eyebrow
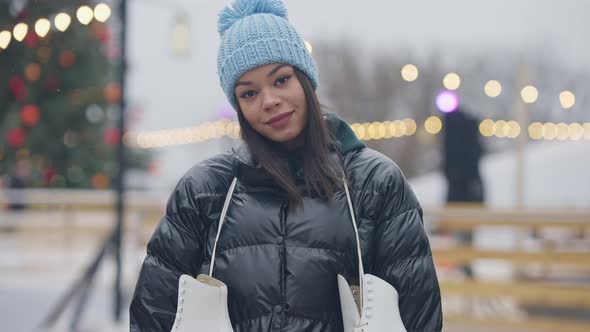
<point>275,69</point>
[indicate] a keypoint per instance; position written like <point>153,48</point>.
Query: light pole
<point>122,162</point>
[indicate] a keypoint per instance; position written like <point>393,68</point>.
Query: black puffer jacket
<point>280,266</point>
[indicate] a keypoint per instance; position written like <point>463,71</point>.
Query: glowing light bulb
<point>410,126</point>
<point>102,12</point>
<point>5,37</point>
<point>380,130</point>
<point>493,88</point>
<point>562,131</point>
<point>529,94</point>
<point>447,101</point>
<point>549,131</point>
<point>500,129</point>
<point>536,130</point>
<point>410,73</point>
<point>20,31</point>
<point>42,27</point>
<point>513,129</point>
<point>452,81</point>
<point>433,125</point>
<point>84,15</point>
<point>62,21</point>
<point>486,127</point>
<point>567,99</point>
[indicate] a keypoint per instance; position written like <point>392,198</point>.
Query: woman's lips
<point>280,120</point>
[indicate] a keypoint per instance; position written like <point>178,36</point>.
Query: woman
<point>288,232</point>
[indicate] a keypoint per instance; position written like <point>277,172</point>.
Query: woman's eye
<point>248,94</point>
<point>283,80</point>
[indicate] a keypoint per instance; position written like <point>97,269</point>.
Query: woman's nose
<point>270,99</point>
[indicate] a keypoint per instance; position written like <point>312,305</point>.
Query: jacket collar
<point>244,156</point>
<point>343,133</point>
<point>247,170</point>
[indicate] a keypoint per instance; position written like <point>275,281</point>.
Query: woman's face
<point>272,100</point>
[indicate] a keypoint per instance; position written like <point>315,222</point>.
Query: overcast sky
<point>180,92</point>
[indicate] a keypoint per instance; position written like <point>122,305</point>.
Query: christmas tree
<point>59,95</point>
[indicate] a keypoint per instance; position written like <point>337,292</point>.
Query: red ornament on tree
<point>16,83</point>
<point>112,92</point>
<point>100,181</point>
<point>101,31</point>
<point>29,115</point>
<point>67,59</point>
<point>17,87</point>
<point>31,39</point>
<point>49,175</point>
<point>15,137</point>
<point>112,136</point>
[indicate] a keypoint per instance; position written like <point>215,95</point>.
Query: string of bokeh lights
<point>446,101</point>
<point>61,22</point>
<point>364,131</point>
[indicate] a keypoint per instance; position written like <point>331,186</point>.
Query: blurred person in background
<point>287,233</point>
<point>462,153</point>
<point>15,181</point>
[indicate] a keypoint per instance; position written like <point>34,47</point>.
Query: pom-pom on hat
<point>255,33</point>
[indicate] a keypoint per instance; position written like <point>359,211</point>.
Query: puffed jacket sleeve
<point>175,248</point>
<point>403,256</point>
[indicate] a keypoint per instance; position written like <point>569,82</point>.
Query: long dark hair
<point>321,173</point>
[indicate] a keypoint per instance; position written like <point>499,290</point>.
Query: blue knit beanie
<point>255,33</point>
